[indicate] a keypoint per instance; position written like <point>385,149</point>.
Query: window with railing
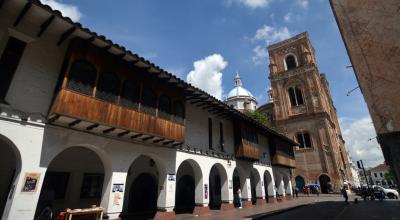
<point>130,94</point>
<point>164,107</point>
<point>108,87</point>
<point>82,77</point>
<point>149,101</point>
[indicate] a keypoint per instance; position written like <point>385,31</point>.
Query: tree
<point>389,175</point>
<point>257,116</point>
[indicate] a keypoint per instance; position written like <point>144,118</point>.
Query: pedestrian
<point>308,191</point>
<point>239,193</point>
<point>344,193</point>
<point>296,191</point>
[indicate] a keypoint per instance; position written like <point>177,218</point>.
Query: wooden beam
<point>108,130</point>
<point>91,127</point>
<point>136,136</point>
<point>106,48</point>
<point>90,39</point>
<point>53,119</point>
<point>77,121</point>
<point>45,25</point>
<point>24,10</point>
<point>167,142</point>
<point>65,35</point>
<point>123,133</point>
<point>147,138</point>
<point>158,140</point>
<point>121,55</point>
<point>177,144</point>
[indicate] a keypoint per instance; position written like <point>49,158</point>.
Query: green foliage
<point>389,175</point>
<point>257,116</point>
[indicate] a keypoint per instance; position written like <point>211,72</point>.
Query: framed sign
<point>31,182</point>
<point>118,187</point>
<point>171,177</point>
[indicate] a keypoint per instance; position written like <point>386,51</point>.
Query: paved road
<point>335,210</point>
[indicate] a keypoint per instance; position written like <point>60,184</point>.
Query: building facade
<point>372,39</point>
<point>83,122</point>
<point>378,176</point>
<point>303,109</point>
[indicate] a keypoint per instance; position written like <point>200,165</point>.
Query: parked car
<point>390,193</point>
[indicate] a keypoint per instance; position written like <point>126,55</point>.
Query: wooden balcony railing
<point>248,152</point>
<point>81,107</point>
<point>279,159</point>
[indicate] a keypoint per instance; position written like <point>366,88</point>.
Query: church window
<point>295,96</point>
<point>9,63</point>
<point>149,101</point>
<point>130,94</point>
<point>164,107</point>
<point>290,61</point>
<point>107,88</point>
<point>304,140</point>
<point>82,77</point>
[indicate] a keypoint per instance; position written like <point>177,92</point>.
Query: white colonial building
<point>240,98</point>
<point>83,122</point>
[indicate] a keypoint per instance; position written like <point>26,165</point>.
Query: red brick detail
<point>160,215</point>
<point>227,206</point>
<point>201,210</point>
<point>247,204</point>
<point>261,201</point>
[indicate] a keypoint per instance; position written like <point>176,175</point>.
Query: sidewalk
<point>246,213</point>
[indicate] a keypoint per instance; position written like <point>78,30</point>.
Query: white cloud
<point>288,17</point>
<point>207,74</point>
<point>271,34</point>
<point>260,55</point>
<point>360,140</point>
<point>253,4</point>
<point>67,10</point>
<point>302,3</point>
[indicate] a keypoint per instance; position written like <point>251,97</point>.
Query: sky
<point>205,42</point>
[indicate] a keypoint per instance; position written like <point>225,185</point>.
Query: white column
<point>281,189</point>
<point>246,191</point>
<point>166,195</point>
<point>113,195</point>
<point>261,192</point>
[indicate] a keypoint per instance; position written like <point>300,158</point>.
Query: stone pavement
<point>246,213</point>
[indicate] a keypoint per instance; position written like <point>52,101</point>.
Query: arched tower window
<point>130,94</point>
<point>149,101</point>
<point>82,77</point>
<point>164,107</point>
<point>295,96</point>
<point>108,87</point>
<point>290,61</point>
<point>304,140</point>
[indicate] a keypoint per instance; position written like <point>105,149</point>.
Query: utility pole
<point>360,165</point>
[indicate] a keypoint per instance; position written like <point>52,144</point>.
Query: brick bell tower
<point>304,110</point>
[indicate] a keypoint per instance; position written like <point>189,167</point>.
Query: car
<point>390,193</point>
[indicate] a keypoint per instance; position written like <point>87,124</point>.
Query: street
<point>332,210</point>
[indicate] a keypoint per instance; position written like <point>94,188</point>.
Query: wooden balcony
<point>248,152</point>
<point>79,111</point>
<point>279,159</point>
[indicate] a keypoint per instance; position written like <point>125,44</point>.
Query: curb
<point>276,212</point>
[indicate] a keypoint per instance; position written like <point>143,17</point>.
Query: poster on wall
<point>31,182</point>
<point>118,187</point>
<point>117,198</point>
<point>205,191</point>
<point>171,177</point>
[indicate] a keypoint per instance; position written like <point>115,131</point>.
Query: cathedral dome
<point>241,98</point>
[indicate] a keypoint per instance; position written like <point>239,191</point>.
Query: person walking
<point>344,193</point>
<point>296,191</point>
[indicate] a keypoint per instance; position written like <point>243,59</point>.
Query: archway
<point>140,200</point>
<point>74,179</point>
<point>268,185</point>
<point>324,182</point>
<point>10,164</point>
<point>236,187</point>
<point>300,183</point>
<point>189,181</point>
<point>255,185</point>
<point>217,183</point>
